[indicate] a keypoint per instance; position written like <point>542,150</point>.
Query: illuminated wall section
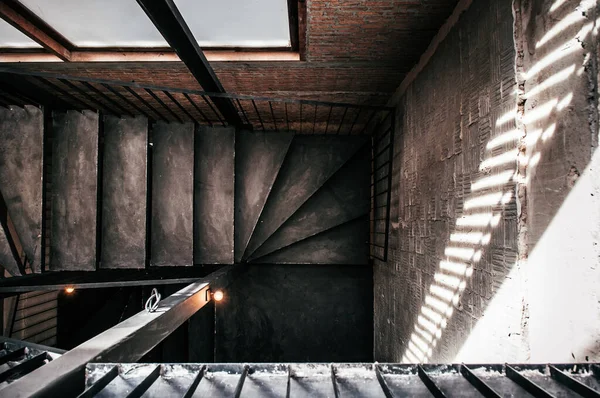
<point>496,216</point>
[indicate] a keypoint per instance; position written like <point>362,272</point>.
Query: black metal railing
<point>381,186</point>
<point>21,87</point>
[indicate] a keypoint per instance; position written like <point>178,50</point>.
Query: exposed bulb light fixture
<point>218,295</point>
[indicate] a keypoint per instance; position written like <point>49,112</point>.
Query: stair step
<point>310,162</point>
<point>124,192</point>
<point>214,198</point>
<point>21,160</point>
<point>171,226</point>
<point>343,198</point>
<point>259,156</point>
<point>344,244</point>
<point>74,191</point>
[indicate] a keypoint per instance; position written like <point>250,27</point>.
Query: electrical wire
<point>152,305</point>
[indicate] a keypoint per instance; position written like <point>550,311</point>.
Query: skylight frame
<point>36,20</point>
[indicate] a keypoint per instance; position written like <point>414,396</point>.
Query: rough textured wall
<point>21,132</point>
<point>496,210</point>
<point>454,218</point>
<point>559,75</point>
<point>297,313</point>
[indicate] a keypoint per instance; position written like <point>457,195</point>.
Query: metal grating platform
<point>341,380</point>
<point>18,358</point>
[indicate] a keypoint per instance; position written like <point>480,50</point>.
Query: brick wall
<point>394,31</point>
<point>452,244</point>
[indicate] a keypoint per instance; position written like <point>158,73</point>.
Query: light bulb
<point>218,295</point>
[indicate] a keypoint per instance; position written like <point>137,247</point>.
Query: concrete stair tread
<point>74,191</point>
<point>124,173</point>
<point>310,162</point>
<point>171,229</point>
<point>214,185</point>
<point>259,157</point>
<point>344,197</point>
<point>344,244</point>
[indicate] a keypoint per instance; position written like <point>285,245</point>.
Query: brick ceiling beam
<point>149,55</point>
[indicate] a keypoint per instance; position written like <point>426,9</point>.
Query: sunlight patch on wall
<point>483,207</point>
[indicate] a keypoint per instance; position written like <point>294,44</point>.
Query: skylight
<point>92,23</point>
<point>122,23</point>
<point>10,37</point>
<point>237,23</point>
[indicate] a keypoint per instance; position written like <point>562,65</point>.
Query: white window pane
<point>122,23</point>
<point>99,23</point>
<point>237,23</point>
<point>11,37</point>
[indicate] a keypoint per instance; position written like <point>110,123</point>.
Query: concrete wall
<point>559,73</point>
<point>297,313</point>
<point>495,212</point>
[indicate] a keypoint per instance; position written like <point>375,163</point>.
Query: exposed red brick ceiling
<point>391,32</point>
<point>357,51</point>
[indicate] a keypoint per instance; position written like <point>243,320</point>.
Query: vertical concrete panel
<point>172,194</point>
<point>259,156</point>
<point>214,195</point>
<point>74,191</point>
<point>201,332</point>
<point>297,313</point>
<point>124,192</point>
<point>21,158</point>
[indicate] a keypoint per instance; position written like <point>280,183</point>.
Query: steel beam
<point>126,342</point>
<point>240,385</point>
<point>34,28</point>
<point>95,388</point>
<point>293,22</point>
<point>530,386</point>
<point>11,236</point>
<point>336,389</point>
<point>169,22</point>
<point>382,383</point>
<point>429,383</point>
<point>104,278</point>
<point>573,384</point>
<point>478,383</point>
<point>78,285</point>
